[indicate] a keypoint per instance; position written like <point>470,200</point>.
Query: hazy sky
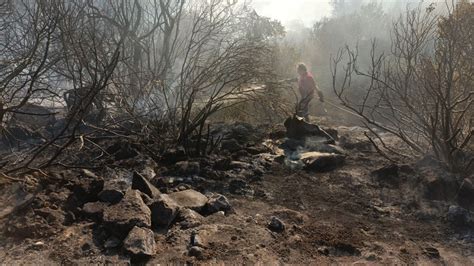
<point>287,11</point>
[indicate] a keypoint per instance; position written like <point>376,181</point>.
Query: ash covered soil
<point>342,204</point>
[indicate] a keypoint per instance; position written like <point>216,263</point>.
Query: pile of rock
<point>130,215</point>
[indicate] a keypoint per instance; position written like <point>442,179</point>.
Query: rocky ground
<point>262,198</point>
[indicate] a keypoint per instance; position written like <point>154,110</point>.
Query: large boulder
<point>140,242</point>
<point>163,211</point>
<point>141,183</point>
<point>322,162</point>
<point>129,212</point>
<point>189,199</point>
<point>297,128</point>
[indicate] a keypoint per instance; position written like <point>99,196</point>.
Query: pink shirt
<point>306,84</point>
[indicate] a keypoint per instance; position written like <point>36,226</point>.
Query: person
<point>307,87</point>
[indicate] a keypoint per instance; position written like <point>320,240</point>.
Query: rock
<point>129,212</point>
<point>163,211</point>
<point>187,168</point>
<point>431,253</point>
<point>147,169</point>
<point>113,191</point>
<point>122,150</point>
<point>458,216</point>
<point>231,145</point>
<point>141,183</point>
<point>276,225</point>
<point>298,129</point>
<point>466,194</point>
<point>217,203</point>
<point>196,240</point>
<point>189,199</point>
<point>86,188</point>
<point>94,209</point>
<point>188,218</point>
<point>140,242</point>
<point>322,162</point>
<point>388,175</point>
<point>196,251</point>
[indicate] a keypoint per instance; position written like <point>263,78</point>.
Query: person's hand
<point>321,96</point>
<point>292,80</point>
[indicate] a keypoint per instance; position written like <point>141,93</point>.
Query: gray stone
<point>196,251</point>
<point>113,191</point>
<point>217,203</point>
<point>322,162</point>
<point>298,129</point>
<point>141,183</point>
<point>129,212</point>
<point>189,199</point>
<point>163,211</point>
<point>276,225</point>
<point>140,242</point>
<point>188,218</point>
<point>94,209</point>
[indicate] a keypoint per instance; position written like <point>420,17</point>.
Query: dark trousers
<point>302,109</point>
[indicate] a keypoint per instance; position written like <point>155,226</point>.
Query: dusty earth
<point>368,211</point>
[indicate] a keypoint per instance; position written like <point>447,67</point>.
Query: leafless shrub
<point>422,91</point>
